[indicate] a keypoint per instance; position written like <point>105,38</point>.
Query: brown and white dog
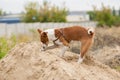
<point>63,36</point>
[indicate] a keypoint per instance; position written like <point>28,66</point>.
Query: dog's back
<point>76,33</point>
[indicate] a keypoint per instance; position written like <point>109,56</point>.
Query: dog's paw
<point>80,60</point>
<point>42,49</point>
<point>60,55</point>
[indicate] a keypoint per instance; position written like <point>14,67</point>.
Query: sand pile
<point>26,62</point>
<point>108,55</point>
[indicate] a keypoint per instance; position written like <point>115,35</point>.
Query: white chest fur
<point>51,34</point>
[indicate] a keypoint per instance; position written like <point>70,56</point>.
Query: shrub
<point>44,13</point>
<point>105,17</point>
<point>1,12</point>
<point>6,44</point>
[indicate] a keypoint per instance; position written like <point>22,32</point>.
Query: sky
<point>17,6</point>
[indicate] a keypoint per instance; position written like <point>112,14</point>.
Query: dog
<point>63,37</point>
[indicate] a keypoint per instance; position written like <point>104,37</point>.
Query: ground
<point>26,62</point>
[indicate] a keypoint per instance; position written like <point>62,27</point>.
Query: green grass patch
<point>118,68</point>
<point>6,44</point>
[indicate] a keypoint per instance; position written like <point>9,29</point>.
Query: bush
<point>105,17</point>
<point>1,12</point>
<point>6,44</point>
<point>44,13</point>
<point>31,13</point>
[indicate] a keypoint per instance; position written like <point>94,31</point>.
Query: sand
<point>26,62</point>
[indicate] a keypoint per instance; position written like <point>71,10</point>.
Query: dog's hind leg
<point>85,45</point>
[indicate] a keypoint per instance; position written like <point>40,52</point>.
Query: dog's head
<point>44,39</point>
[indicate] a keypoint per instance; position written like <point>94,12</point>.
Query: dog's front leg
<point>55,43</point>
<point>64,46</point>
<point>63,49</point>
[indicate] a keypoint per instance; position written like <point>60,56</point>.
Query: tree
<point>114,12</point>
<point>1,12</point>
<point>44,13</point>
<point>49,13</point>
<point>92,15</point>
<point>31,14</point>
<point>105,17</point>
<point>119,11</point>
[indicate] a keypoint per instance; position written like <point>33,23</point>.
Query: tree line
<point>52,13</point>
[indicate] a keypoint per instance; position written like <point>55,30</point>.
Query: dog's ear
<point>39,31</point>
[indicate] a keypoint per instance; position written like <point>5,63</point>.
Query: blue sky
<point>17,6</point>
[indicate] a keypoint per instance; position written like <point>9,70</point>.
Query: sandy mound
<point>108,55</point>
<point>26,62</point>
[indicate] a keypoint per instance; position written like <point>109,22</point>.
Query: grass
<point>118,68</point>
<point>7,44</point>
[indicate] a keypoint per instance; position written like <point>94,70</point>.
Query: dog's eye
<point>44,34</point>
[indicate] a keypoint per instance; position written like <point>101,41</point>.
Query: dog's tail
<point>91,31</point>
